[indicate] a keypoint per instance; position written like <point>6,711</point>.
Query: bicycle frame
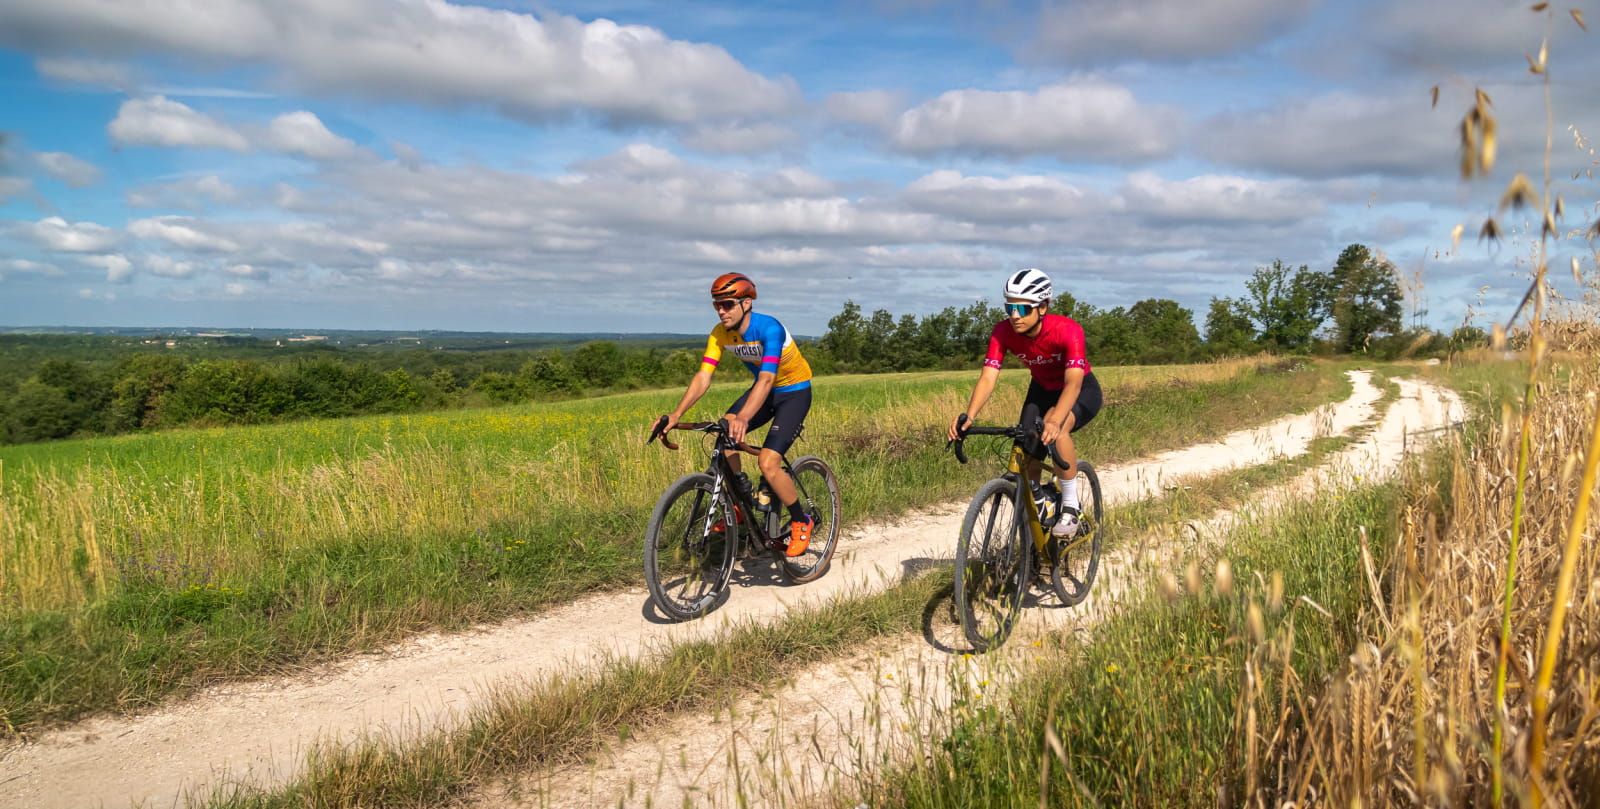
<point>1017,465</point>
<point>721,471</point>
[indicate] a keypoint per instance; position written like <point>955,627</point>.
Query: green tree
<point>38,412</point>
<point>900,351</point>
<point>211,391</point>
<point>319,388</point>
<point>974,324</point>
<point>599,364</point>
<point>143,381</point>
<point>1366,299</point>
<point>846,336</point>
<point>1110,337</point>
<point>497,387</point>
<point>1228,328</point>
<point>1163,332</point>
<point>86,391</point>
<point>548,374</point>
<point>445,381</point>
<point>879,330</point>
<point>1288,307</point>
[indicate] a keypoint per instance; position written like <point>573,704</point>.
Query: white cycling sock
<point>1069,492</point>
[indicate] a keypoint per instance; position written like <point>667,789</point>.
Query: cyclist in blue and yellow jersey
<point>781,393</point>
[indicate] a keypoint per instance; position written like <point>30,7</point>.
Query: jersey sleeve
<point>772,339</point>
<point>708,361</point>
<point>1077,354</point>
<point>996,352</point>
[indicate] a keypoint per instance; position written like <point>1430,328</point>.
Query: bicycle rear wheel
<point>1076,559</point>
<point>991,565</point>
<point>819,496</point>
<point>689,548</point>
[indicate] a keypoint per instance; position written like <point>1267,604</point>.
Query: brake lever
<point>958,444</point>
<point>660,432</point>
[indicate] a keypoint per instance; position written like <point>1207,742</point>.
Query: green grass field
<point>133,568</point>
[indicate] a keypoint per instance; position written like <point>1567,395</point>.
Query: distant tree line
<point>1353,308</point>
<point>61,387</point>
<point>63,398</point>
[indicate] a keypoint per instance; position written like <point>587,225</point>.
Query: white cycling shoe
<point>1068,524</point>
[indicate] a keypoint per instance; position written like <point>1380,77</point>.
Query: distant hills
<point>371,338</point>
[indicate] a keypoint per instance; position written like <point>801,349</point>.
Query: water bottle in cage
<point>764,497</point>
<point>1044,497</point>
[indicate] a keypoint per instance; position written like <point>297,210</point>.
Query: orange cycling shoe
<point>800,535</point>
<point>720,526</point>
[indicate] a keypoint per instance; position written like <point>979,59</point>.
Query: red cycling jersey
<point>1057,347</point>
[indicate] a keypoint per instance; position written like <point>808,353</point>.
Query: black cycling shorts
<point>787,412</point>
<point>1083,411</point>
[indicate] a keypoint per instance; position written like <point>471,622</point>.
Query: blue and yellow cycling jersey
<point>765,345</point>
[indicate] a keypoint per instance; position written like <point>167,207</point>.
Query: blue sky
<point>590,166</point>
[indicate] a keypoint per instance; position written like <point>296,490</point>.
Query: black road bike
<point>1008,525</point>
<point>704,523</point>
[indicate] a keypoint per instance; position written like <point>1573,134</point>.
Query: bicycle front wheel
<point>819,496</point>
<point>1077,558</point>
<point>689,548</point>
<point>991,565</point>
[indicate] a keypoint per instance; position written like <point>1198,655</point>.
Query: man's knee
<point>770,461</point>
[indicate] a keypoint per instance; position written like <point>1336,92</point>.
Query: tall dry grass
<point>1479,681</point>
<point>1412,716</point>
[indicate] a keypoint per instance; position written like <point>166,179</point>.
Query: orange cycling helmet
<point>733,285</point>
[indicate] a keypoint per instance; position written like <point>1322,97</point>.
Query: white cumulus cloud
<point>160,121</point>
<point>73,171</point>
<point>183,231</point>
<point>1335,134</point>
<point>56,233</point>
<point>1019,198</point>
<point>167,266</point>
<point>119,270</point>
<point>193,193</point>
<point>1219,198</point>
<point>428,51</point>
<point>303,133</point>
<point>27,266</point>
<point>1087,32</point>
<point>1085,119</point>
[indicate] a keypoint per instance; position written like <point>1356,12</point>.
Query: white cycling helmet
<point>1028,285</point>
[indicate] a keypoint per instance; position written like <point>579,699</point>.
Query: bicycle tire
<point>992,565</point>
<point>1074,562</point>
<point>819,496</point>
<point>687,564</point>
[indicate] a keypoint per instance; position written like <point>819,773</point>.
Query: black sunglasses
<point>724,304</point>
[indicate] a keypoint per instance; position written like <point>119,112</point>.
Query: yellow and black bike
<point>704,523</point>
<point>1008,525</point>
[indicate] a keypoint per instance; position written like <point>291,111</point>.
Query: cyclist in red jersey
<point>1063,386</point>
